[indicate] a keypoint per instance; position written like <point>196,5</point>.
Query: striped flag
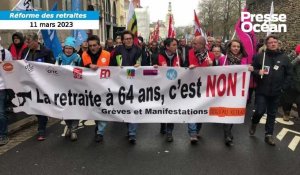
<point>171,30</point>
<point>131,20</point>
<point>197,27</point>
<point>24,5</point>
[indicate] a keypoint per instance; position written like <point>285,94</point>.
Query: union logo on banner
<point>130,73</point>
<point>104,73</point>
<point>77,73</point>
<point>171,74</point>
<point>8,67</point>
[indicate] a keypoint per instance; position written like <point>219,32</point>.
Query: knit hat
<point>70,41</point>
<point>297,49</point>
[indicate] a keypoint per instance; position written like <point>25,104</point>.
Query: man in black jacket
<point>273,78</point>
<point>128,55</point>
<point>39,53</point>
<point>184,52</point>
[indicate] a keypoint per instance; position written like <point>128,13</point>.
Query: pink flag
<point>247,38</point>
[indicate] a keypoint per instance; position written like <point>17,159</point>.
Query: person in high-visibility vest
<point>94,58</point>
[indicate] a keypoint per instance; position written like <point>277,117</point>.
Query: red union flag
<point>197,27</point>
<point>156,32</point>
<point>171,30</point>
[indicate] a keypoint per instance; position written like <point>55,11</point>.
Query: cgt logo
<point>29,67</point>
<point>104,73</point>
<point>50,70</point>
<point>130,73</point>
<point>77,73</point>
<point>8,67</point>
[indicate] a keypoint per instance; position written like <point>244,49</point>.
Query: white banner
<point>128,94</point>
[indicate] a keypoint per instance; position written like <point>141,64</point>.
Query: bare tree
<point>218,17</point>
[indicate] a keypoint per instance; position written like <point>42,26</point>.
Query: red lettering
<point>210,86</point>
<point>232,84</point>
<point>221,81</point>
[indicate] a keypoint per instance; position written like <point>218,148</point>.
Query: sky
<point>183,10</point>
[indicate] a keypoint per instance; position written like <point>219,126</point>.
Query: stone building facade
<point>289,7</point>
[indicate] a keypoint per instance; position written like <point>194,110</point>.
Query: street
<point>152,154</point>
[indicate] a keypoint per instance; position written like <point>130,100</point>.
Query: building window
<point>37,4</point>
<point>114,14</point>
<point>107,11</point>
<point>67,5</point>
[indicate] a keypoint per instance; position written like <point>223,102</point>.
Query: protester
<point>154,51</point>
<point>83,48</point>
<point>210,42</point>
<point>216,50</point>
<point>198,57</point>
<point>168,57</point>
<point>94,58</point>
<point>273,78</point>
<point>18,45</point>
<point>109,45</point>
<point>70,57</point>
<point>118,41</point>
<point>293,93</point>
<point>145,52</point>
<point>4,56</point>
<point>218,42</point>
<point>183,50</point>
<point>235,55</point>
<point>128,55</point>
<point>39,53</point>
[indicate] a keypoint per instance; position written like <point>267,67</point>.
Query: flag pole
<point>178,58</point>
<point>15,6</point>
<point>233,35</point>
<point>264,57</point>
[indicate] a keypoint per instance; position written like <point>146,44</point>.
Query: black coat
<point>279,77</point>
<point>43,55</point>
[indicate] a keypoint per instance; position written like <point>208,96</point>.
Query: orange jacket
<point>103,59</point>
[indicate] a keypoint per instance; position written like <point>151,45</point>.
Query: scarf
<point>68,60</point>
<point>201,56</point>
<point>234,60</point>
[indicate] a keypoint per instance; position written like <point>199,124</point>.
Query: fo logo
<point>104,73</point>
<point>8,67</point>
<point>171,74</point>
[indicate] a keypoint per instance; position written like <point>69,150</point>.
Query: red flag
<point>197,27</point>
<point>171,30</point>
<point>156,32</point>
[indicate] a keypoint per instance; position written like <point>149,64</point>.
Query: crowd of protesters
<point>277,83</point>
